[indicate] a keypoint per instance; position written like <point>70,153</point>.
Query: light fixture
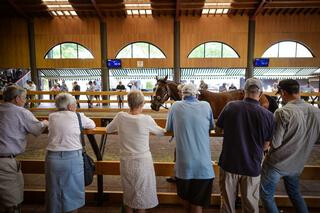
<point>73,13</point>
<point>212,11</point>
<point>205,11</point>
<point>129,12</point>
<point>59,13</point>
<point>219,11</point>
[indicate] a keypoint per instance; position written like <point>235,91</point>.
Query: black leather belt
<point>7,156</point>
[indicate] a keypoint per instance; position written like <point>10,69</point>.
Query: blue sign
<point>261,62</point>
<point>114,63</point>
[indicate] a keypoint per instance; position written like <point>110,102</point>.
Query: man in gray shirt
<point>15,123</point>
<point>297,130</point>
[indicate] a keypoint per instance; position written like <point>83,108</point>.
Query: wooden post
<point>250,56</point>
<point>105,81</point>
<point>32,54</point>
<point>176,50</point>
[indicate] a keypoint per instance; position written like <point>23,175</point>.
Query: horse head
<point>164,90</point>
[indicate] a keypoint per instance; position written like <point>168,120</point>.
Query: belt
<point>7,156</point>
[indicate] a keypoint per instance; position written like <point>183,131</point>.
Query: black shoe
<point>171,180</point>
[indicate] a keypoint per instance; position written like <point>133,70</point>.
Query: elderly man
<point>297,130</point>
<point>15,123</point>
<point>190,120</point>
<point>247,129</point>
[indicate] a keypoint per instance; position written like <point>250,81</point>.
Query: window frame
<point>296,50</point>
<point>68,42</point>
<point>221,51</point>
<point>131,47</point>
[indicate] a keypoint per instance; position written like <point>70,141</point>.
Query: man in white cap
<point>191,120</point>
<point>248,128</point>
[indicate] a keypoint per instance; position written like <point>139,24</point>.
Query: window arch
<point>68,50</point>
<point>213,50</point>
<point>140,50</point>
<point>287,49</point>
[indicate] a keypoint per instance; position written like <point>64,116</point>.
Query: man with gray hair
<point>247,129</point>
<point>15,123</point>
<point>191,120</point>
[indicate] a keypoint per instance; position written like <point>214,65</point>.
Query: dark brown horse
<point>166,89</point>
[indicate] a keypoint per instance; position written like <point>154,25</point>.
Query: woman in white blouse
<point>64,163</point>
<point>136,165</point>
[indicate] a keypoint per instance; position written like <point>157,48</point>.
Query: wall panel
<point>302,28</point>
<point>231,30</point>
<point>158,31</point>
<point>14,47</point>
<point>49,32</point>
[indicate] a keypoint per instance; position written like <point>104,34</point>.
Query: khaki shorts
<point>11,182</point>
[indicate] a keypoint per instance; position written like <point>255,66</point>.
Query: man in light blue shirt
<point>191,120</point>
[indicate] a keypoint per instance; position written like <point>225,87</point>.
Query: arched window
<point>140,50</point>
<point>287,49</point>
<point>213,50</point>
<point>68,50</point>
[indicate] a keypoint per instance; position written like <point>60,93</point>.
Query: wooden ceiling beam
<point>94,3</point>
<point>313,11</point>
<point>306,11</point>
<point>258,9</point>
<point>18,9</point>
<point>177,17</point>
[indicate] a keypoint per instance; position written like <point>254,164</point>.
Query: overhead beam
<point>94,3</point>
<point>18,9</point>
<point>258,9</point>
<point>177,10</point>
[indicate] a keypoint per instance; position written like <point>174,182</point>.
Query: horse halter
<point>160,100</point>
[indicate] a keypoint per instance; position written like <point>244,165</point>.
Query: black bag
<point>88,163</point>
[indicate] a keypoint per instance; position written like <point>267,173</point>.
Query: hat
<point>253,82</point>
<point>289,85</point>
<point>190,89</point>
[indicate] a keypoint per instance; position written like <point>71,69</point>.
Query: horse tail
<point>273,105</point>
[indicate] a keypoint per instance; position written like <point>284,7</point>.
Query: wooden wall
<point>231,30</point>
<point>158,31</point>
<point>49,32</point>
<point>14,47</point>
<point>302,28</point>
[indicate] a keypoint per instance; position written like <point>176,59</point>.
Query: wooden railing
<point>314,96</point>
<point>161,169</point>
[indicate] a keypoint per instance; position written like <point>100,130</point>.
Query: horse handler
<point>191,120</point>
<point>15,123</point>
<point>248,128</point>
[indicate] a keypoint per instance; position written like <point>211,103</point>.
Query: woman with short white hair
<point>64,163</point>
<point>136,165</point>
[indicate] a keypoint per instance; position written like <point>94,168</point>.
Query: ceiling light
<point>54,13</point>
<point>135,12</point>
<point>53,5</point>
<point>219,11</point>
<point>212,11</point>
<point>205,11</point>
<point>59,13</point>
<point>66,13</point>
<point>129,12</point>
<point>225,11</point>
<point>142,12</point>
<point>73,13</point>
<point>149,12</point>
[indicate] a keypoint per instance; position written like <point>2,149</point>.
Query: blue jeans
<point>269,179</point>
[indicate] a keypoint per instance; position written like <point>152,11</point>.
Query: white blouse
<point>64,130</point>
<point>134,131</point>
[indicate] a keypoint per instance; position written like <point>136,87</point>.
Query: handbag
<point>88,163</point>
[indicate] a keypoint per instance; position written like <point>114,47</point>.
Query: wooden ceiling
<point>116,8</point>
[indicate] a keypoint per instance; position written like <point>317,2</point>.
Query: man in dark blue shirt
<point>248,130</point>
